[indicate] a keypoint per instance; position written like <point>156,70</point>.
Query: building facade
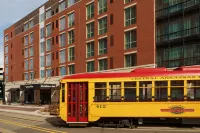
<point>76,36</point>
<point>178,33</point>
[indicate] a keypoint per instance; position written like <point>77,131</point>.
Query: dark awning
<point>38,86</point>
<point>12,89</point>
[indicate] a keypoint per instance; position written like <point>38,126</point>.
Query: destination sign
<point>166,78</point>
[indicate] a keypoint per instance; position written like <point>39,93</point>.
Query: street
<point>21,123</point>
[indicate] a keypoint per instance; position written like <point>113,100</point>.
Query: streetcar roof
<point>141,72</point>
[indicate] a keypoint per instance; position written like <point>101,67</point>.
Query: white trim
<point>132,52</point>
<point>90,41</point>
<point>31,32</point>
<point>71,12</point>
<point>70,29</point>
<point>90,60</point>
<point>89,3</point>
<point>106,15</point>
<point>31,19</point>
<point>48,39</point>
<point>106,36</point>
<point>71,46</point>
<point>5,45</point>
<point>61,1</point>
<point>70,64</point>
<point>48,24</point>
<point>130,5</point>
<point>26,22</point>
<point>26,34</point>
<point>61,17</point>
<point>48,53</point>
<point>62,49</point>
<point>129,29</point>
<point>90,21</point>
<point>62,33</point>
<point>101,58</point>
<point>47,9</point>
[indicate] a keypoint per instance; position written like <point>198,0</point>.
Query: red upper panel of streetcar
<point>141,72</point>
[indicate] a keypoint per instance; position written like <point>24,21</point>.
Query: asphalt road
<point>20,123</point>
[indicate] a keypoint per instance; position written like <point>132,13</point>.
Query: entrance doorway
<point>29,96</point>
<point>45,96</point>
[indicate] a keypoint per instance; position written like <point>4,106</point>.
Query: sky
<point>10,12</point>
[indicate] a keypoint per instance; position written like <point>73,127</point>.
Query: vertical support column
<point>169,90</point>
<point>122,91</point>
<point>107,91</point>
<point>185,90</point>
<point>137,90</point>
<point>153,91</point>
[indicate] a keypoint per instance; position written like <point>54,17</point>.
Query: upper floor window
<point>103,64</point>
<point>48,30</point>
<point>6,60</point>
<point>102,6</point>
<point>102,25</point>
<point>6,38</point>
<point>70,2</point>
<point>42,17</point>
<point>31,37</point>
<point>31,75</point>
<point>130,60</point>
<point>48,46</point>
<point>71,69</point>
<point>103,46</point>
<point>71,37</point>
<point>42,33</point>
<point>26,53</point>
<point>26,40</point>
<point>26,76</point>
<point>130,15</point>
<point>90,66</point>
<point>71,19</point>
<point>42,47</point>
<point>90,10</point>
<point>90,49</point>
<point>6,49</point>
<point>62,24</point>
<point>48,14</point>
<point>31,64</point>
<point>49,72</point>
<point>26,26</point>
<point>31,51</point>
<point>127,1</point>
<point>31,24</point>
<point>42,61</point>
<point>42,74</point>
<point>26,64</point>
<point>48,60</point>
<point>90,30</point>
<point>62,6</point>
<point>62,70</point>
<point>62,40</point>
<point>62,56</point>
<point>130,39</point>
<point>71,54</point>
<point>6,70</point>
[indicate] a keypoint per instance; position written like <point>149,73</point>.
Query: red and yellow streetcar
<point>126,98</point>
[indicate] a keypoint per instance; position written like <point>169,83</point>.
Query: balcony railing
<point>178,7</point>
<point>179,34</point>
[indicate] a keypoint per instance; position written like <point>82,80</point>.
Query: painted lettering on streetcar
<point>177,110</point>
<point>100,106</point>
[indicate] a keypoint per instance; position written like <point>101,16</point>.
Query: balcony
<point>178,8</point>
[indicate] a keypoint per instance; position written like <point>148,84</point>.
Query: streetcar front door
<point>77,102</point>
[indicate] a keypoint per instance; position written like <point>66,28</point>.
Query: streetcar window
<point>129,91</point>
<point>177,90</point>
<point>145,91</point>
<point>100,92</point>
<point>115,91</point>
<point>193,90</point>
<point>63,92</point>
<point>161,90</point>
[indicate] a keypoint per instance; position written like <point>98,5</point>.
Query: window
<point>62,23</point>
<point>177,90</point>
<point>71,54</point>
<point>129,91</point>
<point>102,6</point>
<point>48,60</point>
<point>71,69</point>
<point>115,91</point>
<point>63,92</point>
<point>103,46</point>
<point>145,91</point>
<point>100,92</point>
<point>42,48</point>
<point>31,24</point>
<point>127,1</point>
<point>26,40</point>
<point>71,37</point>
<point>90,49</point>
<point>42,17</point>
<point>62,6</point>
<point>48,45</point>
<point>42,61</point>
<point>6,49</point>
<point>71,2</point>
<point>6,38</point>
<point>71,19</point>
<point>90,10</point>
<point>6,78</point>
<point>26,76</point>
<point>42,74</point>
<point>130,16</point>
<point>42,33</point>
<point>31,37</point>
<point>161,90</point>
<point>26,64</point>
<point>6,60</point>
<point>130,60</point>
<point>193,90</point>
<point>31,51</point>
<point>90,66</point>
<point>90,30</point>
<point>31,75</point>
<point>6,70</point>
<point>26,26</point>
<point>26,53</point>
<point>62,56</point>
<point>62,70</point>
<point>62,40</point>
<point>48,14</point>
<point>103,64</point>
<point>49,72</point>
<point>31,64</point>
<point>48,30</point>
<point>102,25</point>
<point>130,39</point>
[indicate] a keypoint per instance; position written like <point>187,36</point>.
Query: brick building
<point>76,36</point>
